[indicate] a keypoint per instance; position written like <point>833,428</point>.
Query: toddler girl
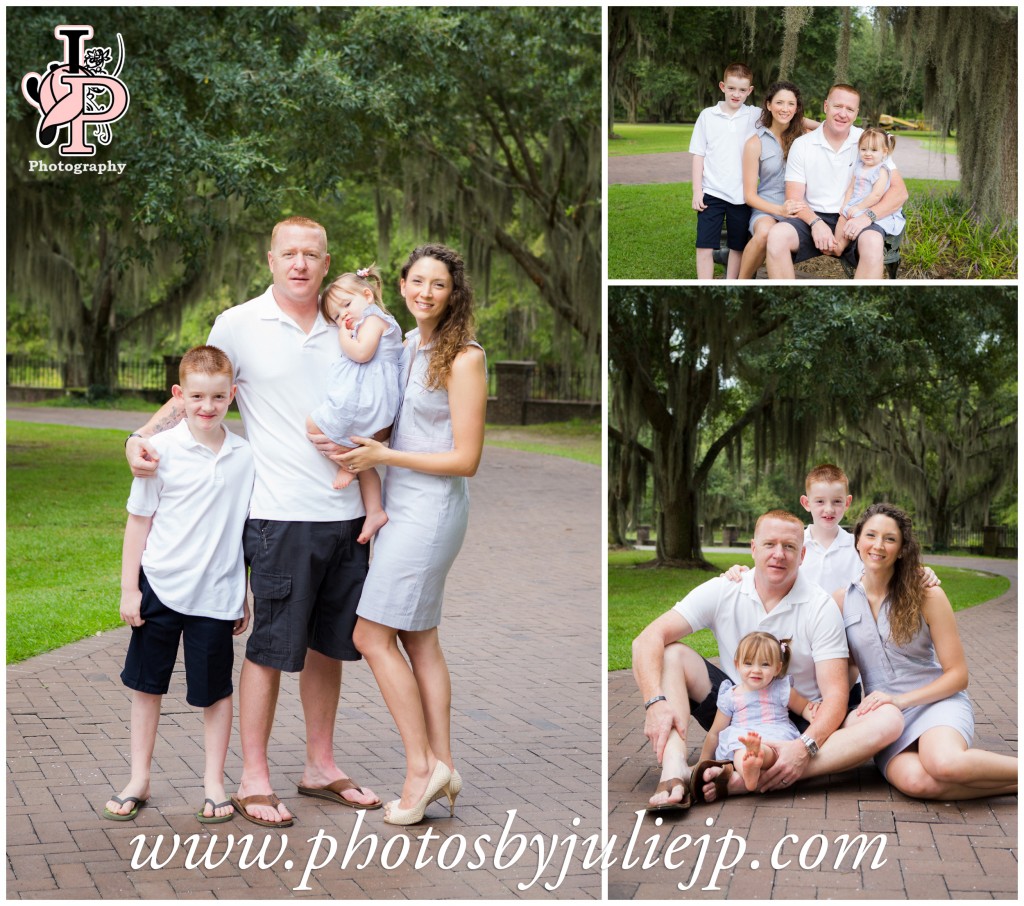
<point>365,387</point>
<point>869,183</point>
<point>753,716</point>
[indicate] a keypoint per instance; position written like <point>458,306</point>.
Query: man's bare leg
<point>257,702</point>
<point>684,676</point>
<point>870,256</point>
<point>320,691</point>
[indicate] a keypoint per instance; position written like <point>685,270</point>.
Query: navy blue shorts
<point>153,649</point>
<point>709,224</point>
<point>705,712</point>
<point>306,580</point>
<point>808,249</point>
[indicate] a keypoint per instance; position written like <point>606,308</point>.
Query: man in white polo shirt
<point>675,681</point>
<point>306,569</point>
<point>818,171</point>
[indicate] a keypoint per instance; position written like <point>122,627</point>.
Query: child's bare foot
<point>342,478</point>
<point>372,524</point>
<point>753,759</point>
<point>218,803</point>
<point>131,797</point>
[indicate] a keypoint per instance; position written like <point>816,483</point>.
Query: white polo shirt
<point>282,375</point>
<point>199,501</point>
<point>825,172</point>
<point>807,615</point>
<point>719,139</point>
<point>832,568</point>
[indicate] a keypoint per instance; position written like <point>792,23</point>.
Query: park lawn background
<point>661,138</point>
<point>652,229</point>
<point>66,493</point>
<point>637,596</point>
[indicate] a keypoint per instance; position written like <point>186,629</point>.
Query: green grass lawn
<point>649,138</point>
<point>652,233</point>
<point>637,596</point>
<point>66,491</point>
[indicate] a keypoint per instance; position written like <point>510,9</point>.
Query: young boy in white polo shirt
<point>182,574</point>
<point>717,148</point>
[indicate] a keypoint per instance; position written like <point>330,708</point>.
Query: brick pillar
<point>513,391</point>
<point>171,363</point>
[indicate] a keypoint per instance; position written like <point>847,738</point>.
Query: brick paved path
<point>934,850</point>
<point>915,161</point>
<point>522,637</point>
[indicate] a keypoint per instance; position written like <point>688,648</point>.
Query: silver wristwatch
<point>809,744</point>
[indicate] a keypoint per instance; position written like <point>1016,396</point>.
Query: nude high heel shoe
<point>451,790</point>
<point>439,780</point>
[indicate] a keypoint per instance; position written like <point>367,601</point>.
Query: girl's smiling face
<point>871,155</point>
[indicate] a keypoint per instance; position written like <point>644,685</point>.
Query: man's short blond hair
<point>784,515</point>
<point>305,222</point>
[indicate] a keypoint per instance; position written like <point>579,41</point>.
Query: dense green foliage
<point>760,377</point>
<point>392,125</point>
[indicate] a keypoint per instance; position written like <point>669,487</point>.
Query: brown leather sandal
<point>721,782</point>
<point>666,786</point>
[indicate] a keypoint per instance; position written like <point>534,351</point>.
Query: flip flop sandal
<point>271,800</point>
<point>721,782</point>
<point>214,819</point>
<point>128,816</point>
<point>666,786</point>
<point>334,790</point>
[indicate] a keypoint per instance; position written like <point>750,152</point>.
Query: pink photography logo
<point>77,92</point>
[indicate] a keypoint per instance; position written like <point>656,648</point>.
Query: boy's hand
<point>698,201</point>
<point>242,623</point>
<point>735,572</point>
<point>131,607</point>
<point>928,577</point>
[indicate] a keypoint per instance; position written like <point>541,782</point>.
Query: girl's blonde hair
<point>886,139</point>
<point>365,278</point>
<point>763,644</point>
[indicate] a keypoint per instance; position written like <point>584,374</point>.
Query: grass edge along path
<point>652,232</point>
<point>637,596</point>
<point>66,490</point>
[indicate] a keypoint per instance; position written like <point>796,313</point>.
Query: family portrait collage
<point>560,452</point>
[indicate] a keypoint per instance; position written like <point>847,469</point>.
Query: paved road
<point>932,850</point>
<point>913,159</point>
<point>522,634</point>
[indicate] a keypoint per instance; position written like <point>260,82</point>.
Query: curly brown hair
<point>906,594</point>
<point>455,328</point>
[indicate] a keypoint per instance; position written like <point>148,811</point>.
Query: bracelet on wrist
<point>655,700</point>
<point>130,436</point>
<point>813,222</point>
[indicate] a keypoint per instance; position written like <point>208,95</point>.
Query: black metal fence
<point>567,383</point>
<point>36,371</point>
